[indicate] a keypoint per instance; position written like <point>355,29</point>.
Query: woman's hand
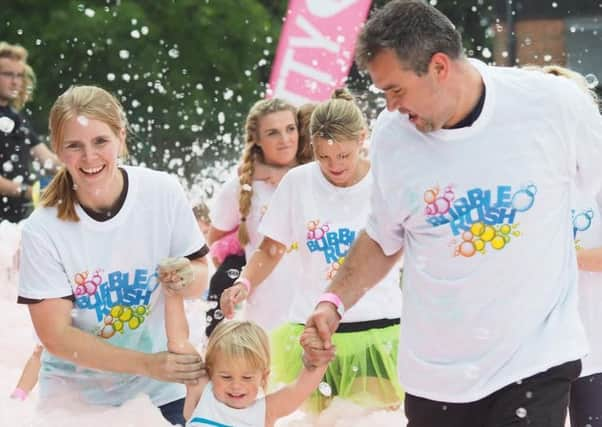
<point>177,368</point>
<point>232,296</point>
<point>175,274</point>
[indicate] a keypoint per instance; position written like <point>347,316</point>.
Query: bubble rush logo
<point>483,218</point>
<point>581,222</point>
<point>121,301</point>
<point>333,244</point>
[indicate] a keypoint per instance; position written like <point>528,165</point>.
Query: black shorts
<point>222,279</point>
<point>586,401</point>
<point>537,401</point>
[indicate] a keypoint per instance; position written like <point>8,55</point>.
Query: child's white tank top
<point>212,413</point>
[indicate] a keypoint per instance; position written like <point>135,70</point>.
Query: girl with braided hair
<point>272,140</point>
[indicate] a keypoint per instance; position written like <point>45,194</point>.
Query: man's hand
<point>175,274</point>
<point>232,296</point>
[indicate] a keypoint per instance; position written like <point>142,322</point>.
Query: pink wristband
<point>246,282</point>
<point>335,300</point>
<point>19,393</point>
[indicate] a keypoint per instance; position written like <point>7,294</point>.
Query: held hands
<point>178,368</point>
<point>232,296</point>
<point>322,322</point>
<point>314,353</point>
<point>175,274</point>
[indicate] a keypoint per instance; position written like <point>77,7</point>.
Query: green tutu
<point>364,370</point>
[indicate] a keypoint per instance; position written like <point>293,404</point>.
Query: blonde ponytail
<point>60,193</point>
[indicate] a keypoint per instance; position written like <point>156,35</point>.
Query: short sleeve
<point>278,219</point>
<point>384,224</point>
<point>186,236</point>
<point>584,124</point>
<point>224,211</point>
<point>41,273</point>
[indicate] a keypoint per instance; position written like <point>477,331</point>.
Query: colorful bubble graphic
<point>86,284</point>
<point>524,198</point>
<point>334,267</point>
<point>438,203</point>
<point>481,235</point>
<point>315,231</point>
<point>121,316</point>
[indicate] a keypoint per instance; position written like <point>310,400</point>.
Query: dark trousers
<point>174,412</point>
<point>585,408</point>
<point>222,279</point>
<point>537,401</point>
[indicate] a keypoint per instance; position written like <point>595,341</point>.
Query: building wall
<point>574,42</point>
<point>540,41</point>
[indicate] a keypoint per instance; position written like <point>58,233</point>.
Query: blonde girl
<point>238,366</point>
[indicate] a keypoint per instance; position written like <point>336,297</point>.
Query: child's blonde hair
<point>235,340</point>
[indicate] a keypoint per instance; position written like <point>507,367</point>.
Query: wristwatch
<point>334,300</point>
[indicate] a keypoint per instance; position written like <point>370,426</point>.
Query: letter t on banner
<point>316,48</point>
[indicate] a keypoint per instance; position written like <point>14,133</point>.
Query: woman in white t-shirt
<point>271,138</point>
<point>89,265</point>
<point>321,207</point>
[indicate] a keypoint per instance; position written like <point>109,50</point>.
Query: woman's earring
<point>74,186</point>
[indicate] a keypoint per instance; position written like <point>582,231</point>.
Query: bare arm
<point>198,285</point>
<point>263,261</point>
<point>11,188</point>
<point>590,259</point>
<point>215,234</point>
<point>176,326</point>
<point>52,321</point>
<point>288,399</point>
<point>365,266</point>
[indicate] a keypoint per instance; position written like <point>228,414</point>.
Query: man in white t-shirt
<point>474,170</point>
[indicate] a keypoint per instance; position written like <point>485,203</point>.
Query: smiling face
<point>12,76</point>
<point>278,138</point>
<point>89,149</point>
<point>338,160</point>
<point>235,383</point>
<point>420,97</point>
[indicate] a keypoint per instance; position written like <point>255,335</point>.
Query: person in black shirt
<point>19,144</point>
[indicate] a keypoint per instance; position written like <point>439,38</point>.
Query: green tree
<point>186,71</point>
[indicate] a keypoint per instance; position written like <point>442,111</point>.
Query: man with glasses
<point>18,142</point>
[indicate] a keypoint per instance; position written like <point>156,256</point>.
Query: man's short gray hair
<point>414,30</point>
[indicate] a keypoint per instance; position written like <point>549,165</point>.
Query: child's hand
<point>310,339</point>
<point>314,352</point>
<point>175,274</point>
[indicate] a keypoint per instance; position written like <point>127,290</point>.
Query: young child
<point>228,258</point>
<point>238,365</point>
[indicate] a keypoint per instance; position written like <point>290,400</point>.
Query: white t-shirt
<point>212,412</point>
<point>587,231</point>
<point>324,220</point>
<point>110,268</point>
<point>483,215</point>
<point>269,304</point>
